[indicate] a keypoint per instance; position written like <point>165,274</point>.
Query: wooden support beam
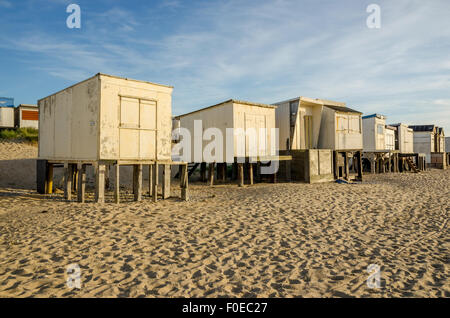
<point>137,182</point>
<point>100,183</point>
<point>68,177</point>
<point>75,178</point>
<point>117,184</point>
<point>346,165</point>
<point>250,172</point>
<point>150,180</point>
<point>107,177</point>
<point>240,168</point>
<point>166,182</point>
<point>211,173</point>
<point>360,165</point>
<point>81,188</point>
<point>184,182</point>
<point>155,182</point>
<point>335,164</point>
<point>49,181</point>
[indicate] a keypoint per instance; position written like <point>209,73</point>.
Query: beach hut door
<point>137,129</point>
<point>308,132</point>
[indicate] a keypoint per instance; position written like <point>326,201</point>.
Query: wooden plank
<point>241,174</point>
<point>166,182</point>
<point>81,183</point>
<point>137,182</point>
<point>49,181</point>
<point>184,181</point>
<point>117,184</point>
<point>211,174</point>
<point>100,183</point>
<point>155,182</point>
<point>150,180</point>
<point>68,177</point>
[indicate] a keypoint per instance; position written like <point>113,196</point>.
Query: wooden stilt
<point>184,182</point>
<point>155,182</point>
<point>81,183</point>
<point>250,172</point>
<point>68,177</point>
<point>150,180</point>
<point>49,182</point>
<point>100,183</point>
<point>211,173</point>
<point>117,184</point>
<point>75,178</point>
<point>240,167</point>
<point>166,182</point>
<point>107,177</point>
<point>360,166</point>
<point>137,182</point>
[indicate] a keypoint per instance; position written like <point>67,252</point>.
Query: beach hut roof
<point>235,101</point>
<point>423,127</point>
<point>342,109</point>
<point>375,115</point>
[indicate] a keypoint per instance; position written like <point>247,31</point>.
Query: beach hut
<point>428,139</point>
<point>389,137</point>
<point>374,133</point>
<point>232,119</point>
<point>26,116</point>
<point>298,121</point>
<point>6,117</point>
<point>379,144</point>
<point>106,121</point>
<point>404,138</point>
<point>341,131</point>
<point>447,150</point>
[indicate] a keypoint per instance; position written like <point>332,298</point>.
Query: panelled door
<point>137,129</point>
<point>256,137</point>
<point>308,132</point>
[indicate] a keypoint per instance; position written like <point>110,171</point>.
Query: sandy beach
<point>267,240</point>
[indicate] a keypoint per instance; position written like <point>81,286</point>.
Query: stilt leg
<point>240,167</point>
<point>155,182</point>
<point>166,182</point>
<point>184,182</point>
<point>49,179</point>
<point>68,177</point>
<point>100,183</point>
<point>150,180</point>
<point>81,183</point>
<point>137,182</point>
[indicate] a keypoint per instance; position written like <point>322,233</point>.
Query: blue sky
<point>262,51</point>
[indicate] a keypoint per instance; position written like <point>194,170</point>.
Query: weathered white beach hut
<point>26,116</point>
<point>374,132</point>
<point>341,131</point>
<point>104,121</point>
<point>233,119</point>
<point>6,117</point>
<point>404,138</point>
<point>389,137</point>
<point>299,120</point>
<point>428,139</point>
<point>341,128</point>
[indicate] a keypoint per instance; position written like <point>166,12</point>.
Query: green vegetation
<point>25,134</point>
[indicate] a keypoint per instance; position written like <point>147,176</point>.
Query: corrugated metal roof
<point>225,102</point>
<point>343,109</point>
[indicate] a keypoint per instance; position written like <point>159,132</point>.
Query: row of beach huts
<point>107,122</point>
<point>22,116</point>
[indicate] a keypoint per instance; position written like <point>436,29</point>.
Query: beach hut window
<point>355,124</point>
<point>380,129</point>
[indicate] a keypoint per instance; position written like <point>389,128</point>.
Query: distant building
<point>26,116</point>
